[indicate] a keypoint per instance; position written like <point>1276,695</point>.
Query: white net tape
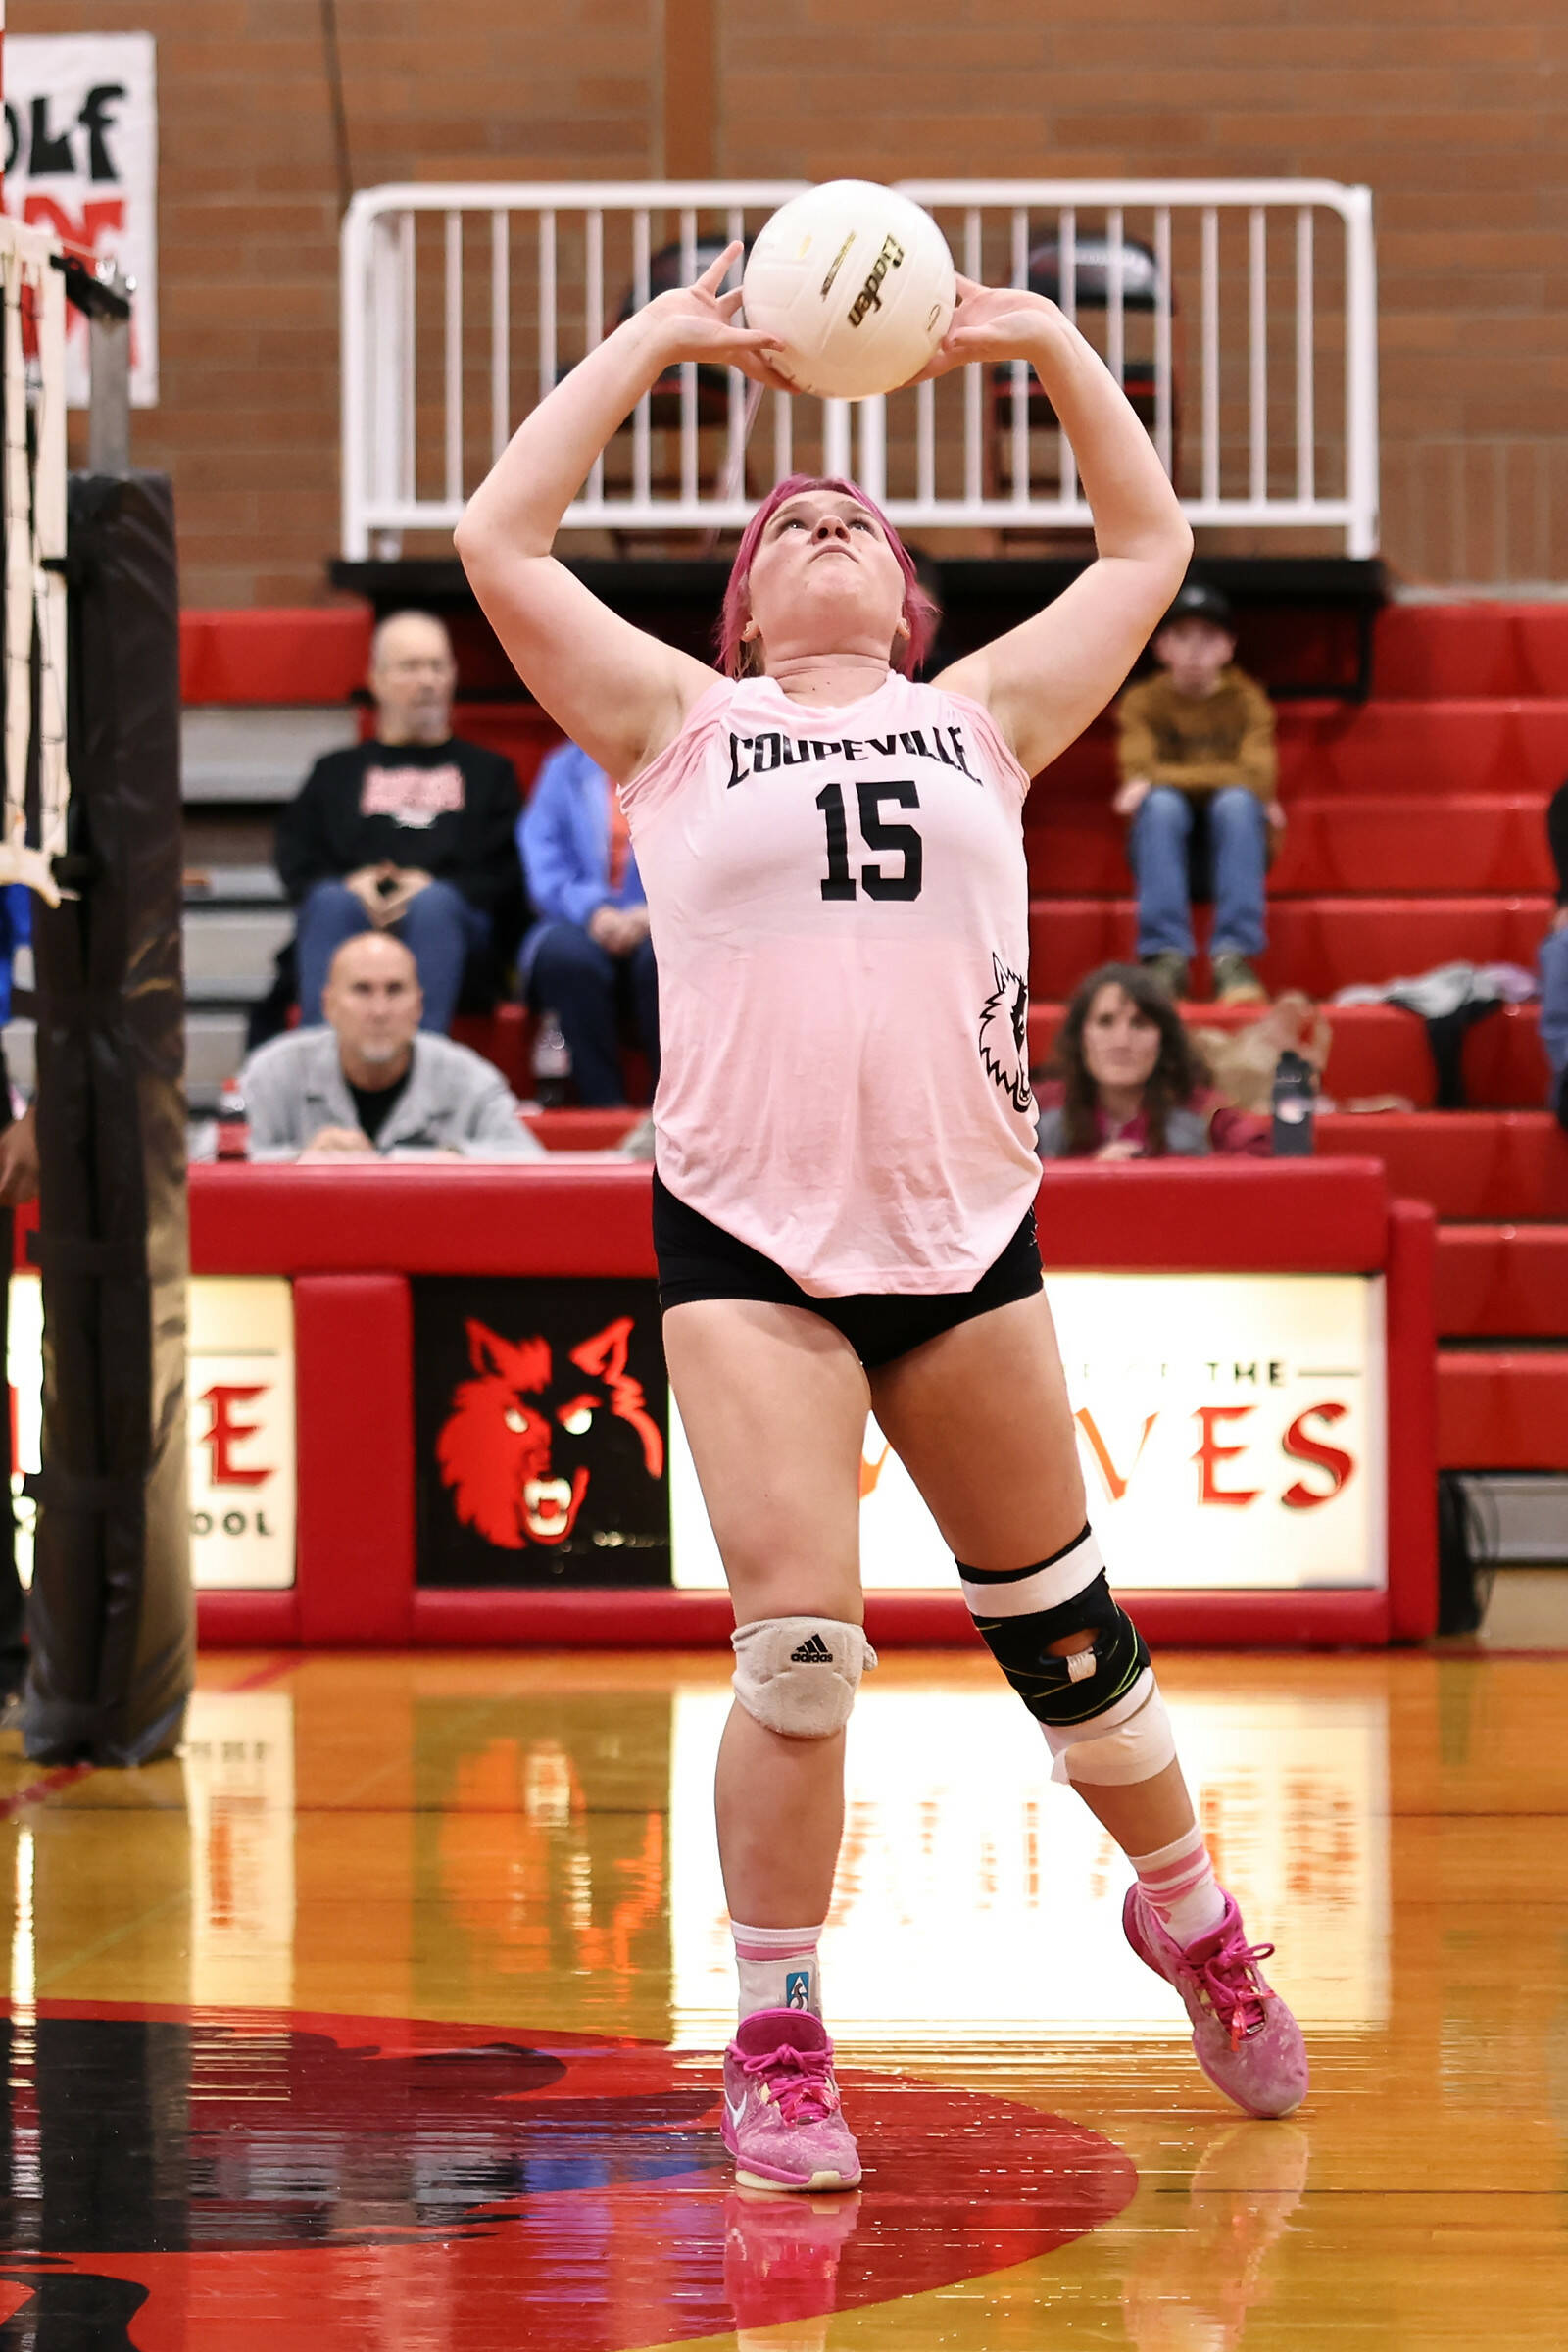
<point>32,495</point>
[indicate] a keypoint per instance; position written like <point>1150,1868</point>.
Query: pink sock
<point>1180,1888</point>
<point>778,1968</point>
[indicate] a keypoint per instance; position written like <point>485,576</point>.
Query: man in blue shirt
<point>588,957</point>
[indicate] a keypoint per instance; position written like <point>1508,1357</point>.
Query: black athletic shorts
<point>697,1259</point>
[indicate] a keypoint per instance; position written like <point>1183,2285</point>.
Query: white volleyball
<point>857,283</point>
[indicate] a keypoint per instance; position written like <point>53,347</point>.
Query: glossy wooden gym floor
<point>383,2018</point>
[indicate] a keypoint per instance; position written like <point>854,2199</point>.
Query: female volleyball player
<point>835,871</point>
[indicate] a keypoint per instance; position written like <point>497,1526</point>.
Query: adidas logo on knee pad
<point>771,1680</point>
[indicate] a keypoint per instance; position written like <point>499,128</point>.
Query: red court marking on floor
<point>45,1786</point>
<point>565,2191</point>
<point>272,1671</point>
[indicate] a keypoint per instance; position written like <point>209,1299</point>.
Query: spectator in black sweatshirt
<point>410,833</point>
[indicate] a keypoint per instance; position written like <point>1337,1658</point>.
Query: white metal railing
<point>1240,315</point>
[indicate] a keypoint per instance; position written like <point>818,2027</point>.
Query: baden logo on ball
<point>857,284</point>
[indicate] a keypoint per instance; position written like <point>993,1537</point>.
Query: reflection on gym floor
<point>383,2018</point>
<point>1001,1894</point>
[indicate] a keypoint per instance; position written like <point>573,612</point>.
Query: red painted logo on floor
<point>251,2178</point>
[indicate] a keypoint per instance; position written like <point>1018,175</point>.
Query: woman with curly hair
<point>1127,1082</point>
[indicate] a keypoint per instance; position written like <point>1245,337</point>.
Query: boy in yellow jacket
<point>1200,731</point>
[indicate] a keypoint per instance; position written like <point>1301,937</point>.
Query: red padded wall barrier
<point>1305,1216</point>
<point>354,1395</point>
<point>1412,1373</point>
<point>351,1239</point>
<point>900,1620</point>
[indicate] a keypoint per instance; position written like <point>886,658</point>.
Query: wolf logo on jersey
<point>1003,1036</point>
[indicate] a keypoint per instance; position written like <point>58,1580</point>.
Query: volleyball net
<point>32,561</point>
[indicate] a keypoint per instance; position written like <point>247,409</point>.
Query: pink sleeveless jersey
<point>839,914</point>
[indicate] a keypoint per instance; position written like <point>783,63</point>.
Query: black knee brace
<point>1061,1690</point>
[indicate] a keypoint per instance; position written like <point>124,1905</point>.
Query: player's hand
<point>991,323</point>
<point>18,1161</point>
<point>1276,816</point>
<point>366,884</point>
<point>1132,796</point>
<point>337,1142</point>
<point>406,883</point>
<point>604,928</point>
<point>698,323</point>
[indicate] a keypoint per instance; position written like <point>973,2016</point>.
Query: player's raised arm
<point>616,691</point>
<point>1044,680</point>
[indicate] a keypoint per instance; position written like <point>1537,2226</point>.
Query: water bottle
<point>552,1064</point>
<point>233,1126</point>
<point>1294,1101</point>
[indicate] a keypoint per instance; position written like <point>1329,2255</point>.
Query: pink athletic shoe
<point>1248,2042</point>
<point>782,2123</point>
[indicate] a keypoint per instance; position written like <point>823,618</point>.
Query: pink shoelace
<point>1230,1980</point>
<point>806,2094</point>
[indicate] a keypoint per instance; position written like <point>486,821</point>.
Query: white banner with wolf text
<point>1231,1429</point>
<point>81,158</point>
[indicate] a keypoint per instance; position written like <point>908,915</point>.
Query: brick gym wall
<point>1455,110</point>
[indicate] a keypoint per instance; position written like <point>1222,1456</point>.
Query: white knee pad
<point>1131,1742</point>
<point>799,1675</point>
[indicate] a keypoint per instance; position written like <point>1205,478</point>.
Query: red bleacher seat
<point>1381,843</point>
<point>1502,1410</point>
<point>1385,844</point>
<point>1417,748</point>
<point>581,1130</point>
<point>1468,1164</point>
<point>1320,944</point>
<point>1502,1281</point>
<point>272,656</point>
<point>1427,652</point>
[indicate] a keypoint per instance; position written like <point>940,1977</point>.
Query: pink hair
<point>920,610</point>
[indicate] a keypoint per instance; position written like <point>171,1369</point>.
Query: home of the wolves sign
<point>1231,1429</point>
<point>81,158</point>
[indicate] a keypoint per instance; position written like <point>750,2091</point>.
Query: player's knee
<point>1132,1743</point>
<point>1167,811</point>
<point>1099,1695</point>
<point>799,1675</point>
<point>563,951</point>
<point>437,903</point>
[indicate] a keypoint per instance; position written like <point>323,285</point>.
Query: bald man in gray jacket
<point>373,1084</point>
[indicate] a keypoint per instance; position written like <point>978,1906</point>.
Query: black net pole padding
<point>112,1619</point>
